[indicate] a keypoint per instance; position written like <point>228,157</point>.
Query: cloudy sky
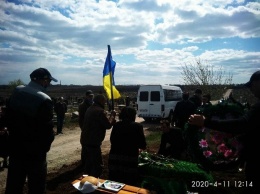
<point>151,40</point>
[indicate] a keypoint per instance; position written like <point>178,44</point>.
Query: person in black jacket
<point>172,142</point>
<point>30,126</point>
<point>206,101</point>
<point>88,101</point>
<point>181,114</point>
<point>197,98</point>
<point>127,139</point>
<point>182,111</point>
<point>60,109</point>
<point>247,125</point>
<point>93,133</point>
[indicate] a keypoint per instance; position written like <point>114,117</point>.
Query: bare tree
<point>202,73</point>
<point>14,83</point>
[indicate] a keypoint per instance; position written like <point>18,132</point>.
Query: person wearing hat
<point>88,101</point>
<point>93,133</point>
<point>248,125</point>
<point>30,125</point>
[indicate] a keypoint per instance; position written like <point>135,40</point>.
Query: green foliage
<point>153,139</point>
<point>13,84</point>
<point>169,168</point>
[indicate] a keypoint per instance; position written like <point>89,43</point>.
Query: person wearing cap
<point>197,98</point>
<point>30,125</point>
<point>88,101</point>
<point>60,109</point>
<point>93,133</point>
<point>248,125</point>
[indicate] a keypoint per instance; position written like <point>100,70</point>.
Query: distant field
<point>74,93</point>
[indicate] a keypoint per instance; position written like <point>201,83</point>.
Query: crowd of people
<point>247,126</point>
<point>28,121</point>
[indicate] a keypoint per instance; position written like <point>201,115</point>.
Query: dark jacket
<point>82,110</point>
<point>95,125</point>
<point>172,143</point>
<point>127,138</point>
<point>60,108</point>
<point>182,111</point>
<point>29,114</point>
<point>196,100</point>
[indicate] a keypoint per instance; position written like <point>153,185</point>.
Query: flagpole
<point>111,77</point>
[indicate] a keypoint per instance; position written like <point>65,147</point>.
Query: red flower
<point>217,138</point>
<point>222,148</point>
<point>203,143</point>
<point>228,153</point>
<point>207,153</point>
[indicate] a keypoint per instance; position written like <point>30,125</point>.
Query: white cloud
<point>150,39</point>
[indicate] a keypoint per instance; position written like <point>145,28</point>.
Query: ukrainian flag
<point>108,77</point>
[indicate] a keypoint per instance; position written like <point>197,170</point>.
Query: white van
<point>157,101</point>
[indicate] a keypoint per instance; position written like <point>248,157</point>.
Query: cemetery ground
<point>64,159</point>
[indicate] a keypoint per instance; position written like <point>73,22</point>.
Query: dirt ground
<point>64,159</point>
<point>64,155</point>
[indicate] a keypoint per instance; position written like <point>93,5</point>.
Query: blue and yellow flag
<point>108,77</point>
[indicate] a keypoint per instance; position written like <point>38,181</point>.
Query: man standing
<point>182,111</point>
<point>82,110</point>
<point>29,115</point>
<point>127,101</point>
<point>60,109</point>
<point>93,133</point>
<point>197,98</point>
<point>88,101</point>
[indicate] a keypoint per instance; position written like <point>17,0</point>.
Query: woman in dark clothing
<point>127,139</point>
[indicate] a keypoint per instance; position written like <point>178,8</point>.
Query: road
<point>65,150</point>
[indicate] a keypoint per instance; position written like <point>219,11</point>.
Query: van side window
<point>155,96</point>
<point>172,95</point>
<point>143,96</point>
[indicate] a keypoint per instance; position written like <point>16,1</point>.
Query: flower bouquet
<point>214,149</point>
